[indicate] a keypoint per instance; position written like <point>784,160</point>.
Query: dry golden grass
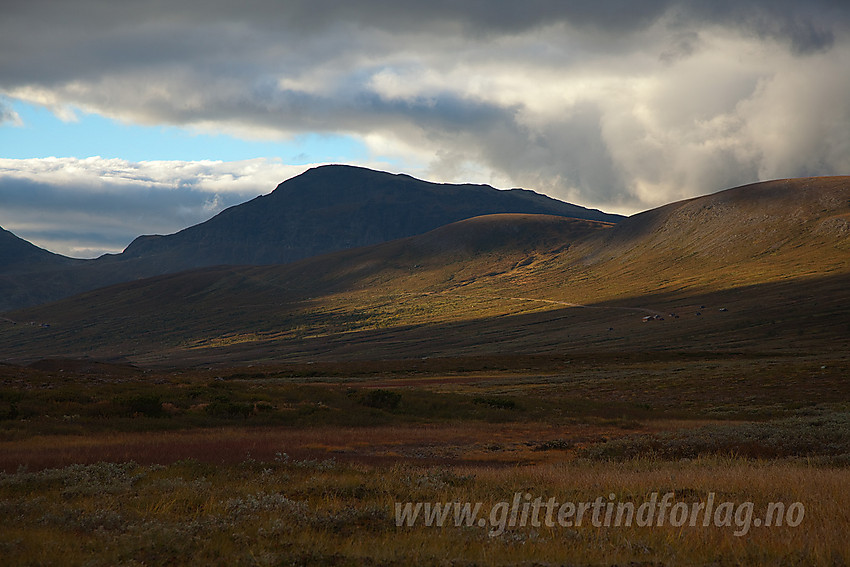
<point>287,511</point>
<point>167,489</point>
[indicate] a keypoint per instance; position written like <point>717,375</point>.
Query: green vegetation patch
<point>381,399</point>
<point>825,435</point>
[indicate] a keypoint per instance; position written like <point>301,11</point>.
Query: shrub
<point>144,404</point>
<point>554,444</point>
<point>497,403</point>
<point>229,409</point>
<point>381,399</point>
<point>9,405</point>
<point>806,436</point>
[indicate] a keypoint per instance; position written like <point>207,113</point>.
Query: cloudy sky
<point>124,118</point>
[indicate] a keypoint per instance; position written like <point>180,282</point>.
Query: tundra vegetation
<point>303,463</point>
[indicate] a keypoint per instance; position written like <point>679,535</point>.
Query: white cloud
<point>94,205</point>
<point>8,115</point>
<point>248,177</point>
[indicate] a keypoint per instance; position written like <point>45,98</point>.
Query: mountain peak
<point>325,209</point>
<point>334,207</point>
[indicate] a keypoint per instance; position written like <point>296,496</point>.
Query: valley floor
<point>328,463</point>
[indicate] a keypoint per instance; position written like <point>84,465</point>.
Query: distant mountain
<point>17,255</point>
<point>325,209</point>
<point>335,207</point>
<point>25,269</point>
<point>760,267</point>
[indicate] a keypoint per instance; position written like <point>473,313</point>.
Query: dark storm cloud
<point>304,17</point>
<point>805,26</point>
<point>617,102</point>
<point>46,42</point>
<point>570,148</point>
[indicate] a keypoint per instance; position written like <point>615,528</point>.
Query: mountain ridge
<point>554,283</point>
<point>17,254</point>
<point>324,209</point>
<point>368,206</point>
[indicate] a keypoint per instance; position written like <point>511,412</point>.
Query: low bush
<point>496,402</point>
<point>144,404</point>
<point>802,436</point>
<point>381,399</point>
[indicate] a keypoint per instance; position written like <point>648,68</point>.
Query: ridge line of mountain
<point>325,209</point>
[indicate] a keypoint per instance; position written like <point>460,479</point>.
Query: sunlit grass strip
<point>286,510</point>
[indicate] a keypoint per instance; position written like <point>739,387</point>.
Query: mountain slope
<point>752,234</point>
<point>29,273</point>
<point>777,255</point>
<point>325,209</point>
<point>18,255</point>
<point>745,221</point>
<point>214,301</point>
<point>333,208</point>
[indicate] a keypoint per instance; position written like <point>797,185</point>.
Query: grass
<point>304,463</point>
<point>601,388</point>
<point>825,435</point>
<point>286,511</point>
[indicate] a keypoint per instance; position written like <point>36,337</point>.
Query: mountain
<point>24,269</point>
<point>17,255</point>
<point>335,207</point>
<point>325,209</point>
<point>756,233</point>
<point>216,301</point>
<point>754,268</point>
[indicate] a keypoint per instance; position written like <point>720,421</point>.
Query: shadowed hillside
<point>323,210</point>
<point>22,266</point>
<point>758,267</point>
<point>16,254</point>
<point>333,208</point>
<point>212,302</point>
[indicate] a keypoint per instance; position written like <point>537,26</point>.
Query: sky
<point>125,118</point>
